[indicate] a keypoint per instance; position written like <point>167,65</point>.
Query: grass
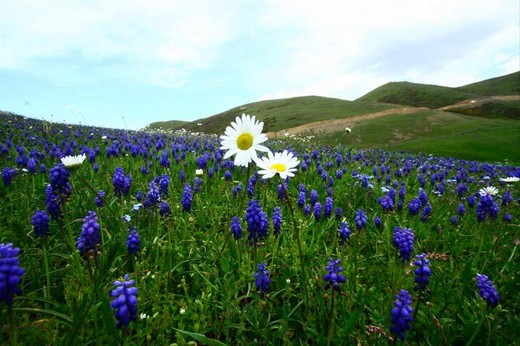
<point>417,95</point>
<point>490,133</point>
<point>195,280</point>
<point>435,96</point>
<point>492,109</point>
<point>286,113</point>
<point>437,133</point>
<point>503,85</point>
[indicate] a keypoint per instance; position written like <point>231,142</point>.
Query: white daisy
<point>71,161</point>
<point>243,139</point>
<point>488,190</point>
<point>509,179</point>
<point>280,163</point>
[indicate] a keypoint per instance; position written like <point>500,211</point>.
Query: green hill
<point>170,125</point>
<point>417,95</point>
<point>282,114</point>
<point>504,85</point>
<point>435,96</point>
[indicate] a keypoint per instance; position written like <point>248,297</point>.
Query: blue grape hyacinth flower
<point>487,290</point>
<point>257,222</point>
<point>404,240</point>
<point>40,222</point>
<point>236,227</point>
<point>133,241</point>
<point>90,235</point>
<point>333,277</point>
<point>422,271</point>
<point>10,273</point>
<point>261,276</point>
<point>402,314</point>
<point>125,301</point>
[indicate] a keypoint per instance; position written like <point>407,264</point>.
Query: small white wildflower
<point>126,218</point>
<point>137,206</point>
<point>199,172</point>
<point>71,161</point>
<point>488,190</point>
<point>348,129</point>
<point>510,179</point>
<point>182,311</point>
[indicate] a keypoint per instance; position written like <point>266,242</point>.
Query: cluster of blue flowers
<point>487,290</point>
<point>90,235</point>
<point>257,222</point>
<point>333,277</point>
<point>402,314</point>
<point>277,220</point>
<point>133,241</point>
<point>422,271</point>
<point>10,273</point>
<point>121,182</point>
<point>186,198</point>
<point>40,222</point>
<point>125,301</point>
<point>261,276</point>
<point>487,207</point>
<point>403,239</point>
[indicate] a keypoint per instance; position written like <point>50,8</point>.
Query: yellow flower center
<point>279,167</point>
<point>245,141</point>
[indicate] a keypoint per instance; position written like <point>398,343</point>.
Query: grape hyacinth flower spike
<point>10,273</point>
<point>90,236</point>
<point>487,290</point>
<point>401,314</point>
<point>261,276</point>
<point>403,239</point>
<point>333,277</point>
<point>422,272</point>
<point>40,222</point>
<point>125,301</point>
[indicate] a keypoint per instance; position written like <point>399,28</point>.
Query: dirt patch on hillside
<point>480,101</point>
<point>335,125</point>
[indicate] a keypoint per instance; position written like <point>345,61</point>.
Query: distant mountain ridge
<point>475,121</point>
<point>280,114</point>
<point>435,96</point>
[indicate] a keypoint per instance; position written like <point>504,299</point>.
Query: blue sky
<point>127,63</point>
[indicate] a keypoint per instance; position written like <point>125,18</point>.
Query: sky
<point>127,63</point>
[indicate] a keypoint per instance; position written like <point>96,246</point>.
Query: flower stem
<point>47,272</point>
<point>477,329</point>
<point>331,322</point>
<point>14,334</point>
<point>228,233</point>
<point>296,232</point>
<point>91,187</point>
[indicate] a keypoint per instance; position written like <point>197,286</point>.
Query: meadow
<point>219,255</point>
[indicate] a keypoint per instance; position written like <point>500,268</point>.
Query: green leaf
<point>201,338</point>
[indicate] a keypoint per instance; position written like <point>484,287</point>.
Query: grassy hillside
<point>490,108</point>
<point>286,113</point>
<point>504,85</point>
<point>438,133</point>
<point>171,125</point>
<point>435,96</point>
<point>417,95</point>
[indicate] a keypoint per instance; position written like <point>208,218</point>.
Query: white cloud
<point>154,42</point>
<point>330,48</point>
<point>346,50</point>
